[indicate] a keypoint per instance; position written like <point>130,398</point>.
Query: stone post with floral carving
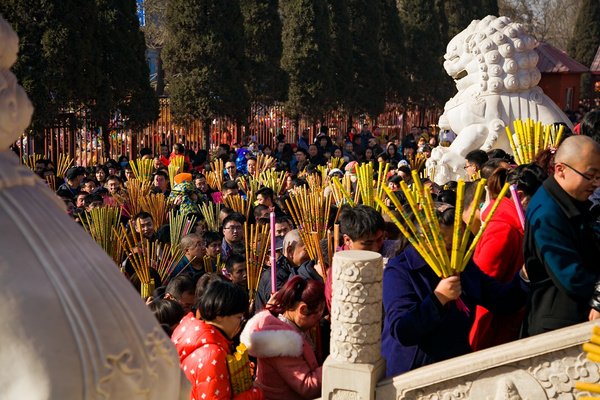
<point>355,365</point>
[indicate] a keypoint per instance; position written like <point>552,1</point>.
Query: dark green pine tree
<point>392,51</point>
<point>425,49</point>
<point>125,84</point>
<point>307,57</point>
<point>586,40</point>
<point>205,61</point>
<point>459,14</point>
<point>488,7</point>
<point>341,53</point>
<point>267,83</point>
<point>368,62</point>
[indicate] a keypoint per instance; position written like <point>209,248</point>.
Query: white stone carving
<point>72,326</point>
<point>356,309</point>
<point>494,66</point>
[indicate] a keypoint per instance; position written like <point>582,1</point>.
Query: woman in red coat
<point>278,337</point>
<point>500,252</point>
<point>203,344</point>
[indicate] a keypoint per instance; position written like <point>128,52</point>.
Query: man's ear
<point>168,296</point>
<point>347,240</point>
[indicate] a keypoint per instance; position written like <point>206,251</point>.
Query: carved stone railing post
<point>355,365</point>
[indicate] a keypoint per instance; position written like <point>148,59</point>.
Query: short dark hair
<point>230,185</point>
<point>162,173</point>
<point>114,177</point>
<point>301,150</point>
<point>145,151</point>
<point>266,192</point>
<point>234,216</point>
<point>360,221</point>
<point>167,311</point>
<point>222,299</point>
<point>92,197</point>
<point>259,209</point>
<point>180,285</point>
<point>234,258</point>
<point>488,168</point>
<point>178,147</point>
<point>142,215</point>
<point>210,236</point>
<point>284,219</point>
<point>477,157</point>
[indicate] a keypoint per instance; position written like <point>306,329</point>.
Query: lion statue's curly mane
<point>493,63</point>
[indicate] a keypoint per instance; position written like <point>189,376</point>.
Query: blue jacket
<point>418,330</point>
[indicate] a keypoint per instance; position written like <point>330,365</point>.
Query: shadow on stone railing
<point>541,367</point>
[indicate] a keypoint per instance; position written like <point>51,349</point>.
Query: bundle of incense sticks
<point>364,174</point>
<point>341,192</point>
<point>257,244</point>
<point>324,173</point>
<point>314,181</point>
<point>250,186</point>
<point>592,350</point>
<point>164,258</point>
<point>31,160</point>
<point>139,251</point>
<point>142,169</point>
<point>216,176</point>
<point>175,167</point>
<point>238,204</point>
<point>265,162</point>
<point>310,212</point>
<point>240,374</point>
<point>51,181</point>
<point>157,205</point>
<point>64,162</point>
<point>336,162</point>
<point>210,211</point>
<point>531,137</point>
<point>131,198</point>
<point>99,223</point>
<point>179,226</point>
<point>417,161</point>
<point>425,234</point>
<point>273,179</point>
<point>208,265</point>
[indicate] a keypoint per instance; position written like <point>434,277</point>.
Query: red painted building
<point>561,75</point>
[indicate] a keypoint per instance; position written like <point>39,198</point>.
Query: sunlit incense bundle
<point>51,181</point>
<point>179,226</point>
<point>164,258</point>
<point>257,245</point>
<point>250,186</point>
<point>157,205</point>
<point>273,179</point>
<point>240,373</point>
<point>216,176</point>
<point>425,234</point>
<point>131,198</point>
<point>142,169</point>
<point>265,162</point>
<point>310,212</point>
<point>31,160</point>
<point>530,138</point>
<point>324,173</point>
<point>210,211</point>
<point>341,193</point>
<point>336,162</point>
<point>364,173</point>
<point>139,251</point>
<point>314,181</point>
<point>64,162</point>
<point>238,204</point>
<point>592,350</point>
<point>416,161</point>
<point>175,167</point>
<point>99,223</point>
<point>208,265</point>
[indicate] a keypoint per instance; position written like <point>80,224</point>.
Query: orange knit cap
<point>182,178</point>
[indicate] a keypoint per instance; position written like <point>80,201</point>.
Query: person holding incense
<point>233,234</point>
<point>192,263</point>
<point>560,246</point>
<point>499,254</point>
<point>423,320</point>
<point>278,337</point>
<point>203,341</point>
<point>237,270</point>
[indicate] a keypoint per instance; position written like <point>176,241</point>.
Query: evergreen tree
<point>266,82</point>
<point>125,84</point>
<point>368,62</point>
<point>392,50</point>
<point>488,7</point>
<point>425,50</point>
<point>306,57</point>
<point>205,61</point>
<point>341,53</point>
<point>586,40</point>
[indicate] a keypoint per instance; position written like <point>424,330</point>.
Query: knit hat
<point>183,177</point>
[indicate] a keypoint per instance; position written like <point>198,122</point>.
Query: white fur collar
<point>270,341</point>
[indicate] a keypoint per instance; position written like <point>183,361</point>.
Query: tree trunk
<point>206,133</point>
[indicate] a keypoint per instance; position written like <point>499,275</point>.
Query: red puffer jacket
<point>203,351</point>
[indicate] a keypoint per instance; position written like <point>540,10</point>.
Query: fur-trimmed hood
<point>267,336</point>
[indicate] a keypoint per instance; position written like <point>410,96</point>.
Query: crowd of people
<point>523,279</point>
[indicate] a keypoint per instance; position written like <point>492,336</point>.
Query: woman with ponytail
<point>499,253</point>
<point>278,337</point>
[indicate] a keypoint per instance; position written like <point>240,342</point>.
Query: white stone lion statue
<point>494,66</point>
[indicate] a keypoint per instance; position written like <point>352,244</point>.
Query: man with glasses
<point>233,234</point>
<point>231,170</point>
<point>560,248</point>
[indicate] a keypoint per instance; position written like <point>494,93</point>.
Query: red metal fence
<point>84,142</point>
